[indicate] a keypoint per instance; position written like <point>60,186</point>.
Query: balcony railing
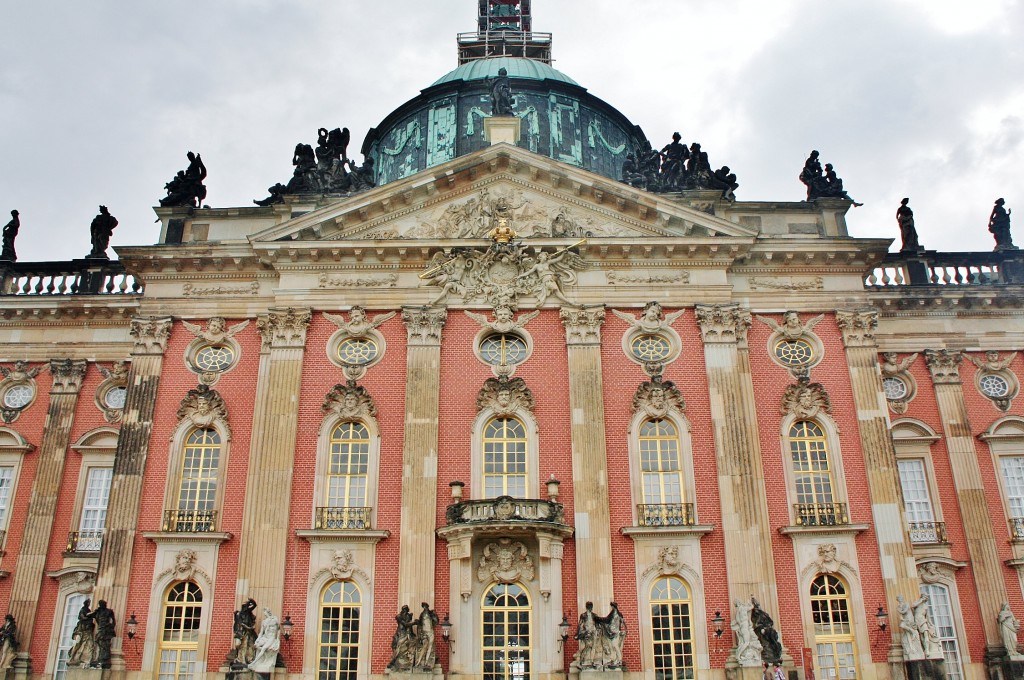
<point>505,509</point>
<point>85,541</point>
<point>340,519</point>
<point>665,515</point>
<point>190,521</point>
<point>928,533</point>
<point>820,514</point>
<point>1017,528</point>
<point>947,269</point>
<point>72,277</point>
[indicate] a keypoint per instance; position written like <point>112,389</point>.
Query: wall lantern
<point>882,618</point>
<point>446,633</point>
<point>563,631</point>
<point>718,626</point>
<point>287,626</point>
<point>131,626</point>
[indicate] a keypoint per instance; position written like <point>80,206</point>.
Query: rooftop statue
<point>501,95</point>
<point>822,184</point>
<point>675,155</point>
<point>102,228</point>
<point>999,225</point>
<point>186,188</point>
<point>905,218</point>
<point>676,168</point>
<point>325,170</point>
<point>10,233</point>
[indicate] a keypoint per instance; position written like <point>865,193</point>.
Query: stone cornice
<point>858,327</point>
<point>284,328</point>
<point>582,326</point>
<point>667,532</point>
<point>213,537</point>
<point>823,529</point>
<point>723,323</point>
<point>347,536</point>
<point>944,365</point>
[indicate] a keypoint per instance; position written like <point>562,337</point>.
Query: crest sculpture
<point>806,399</point>
<point>657,397</point>
<point>349,401</point>
<point>791,327</point>
<point>652,319</point>
<point>505,561</point>
<point>204,406</point>
<point>505,396</point>
<point>217,329</point>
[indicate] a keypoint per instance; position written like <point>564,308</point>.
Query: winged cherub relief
<point>992,362</point>
<point>791,328</point>
<point>358,322</point>
<point>891,366</point>
<point>651,320</point>
<point>216,329</point>
<point>504,319</point>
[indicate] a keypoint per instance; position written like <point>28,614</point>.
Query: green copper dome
<point>517,67</point>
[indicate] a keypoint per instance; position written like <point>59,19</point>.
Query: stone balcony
<point>930,268</point>
<point>505,510</point>
<point>71,277</point>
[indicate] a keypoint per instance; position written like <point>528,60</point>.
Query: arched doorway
<point>505,633</point>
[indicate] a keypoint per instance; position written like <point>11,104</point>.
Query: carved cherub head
<point>652,312</point>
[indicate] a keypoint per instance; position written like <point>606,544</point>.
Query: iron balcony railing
<point>505,509</point>
<point>190,521</point>
<point>1017,528</point>
<point>340,519</point>
<point>72,277</point>
<point>85,541</point>
<point>820,514</point>
<point>930,268</point>
<point>928,533</point>
<point>665,515</point>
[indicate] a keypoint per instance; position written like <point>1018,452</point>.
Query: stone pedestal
<point>734,672</point>
<point>926,669</point>
<point>575,673</point>
<point>78,673</point>
<point>416,674</point>
<point>503,129</point>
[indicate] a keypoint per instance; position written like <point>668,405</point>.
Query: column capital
<point>284,328</point>
<point>723,323</point>
<point>424,325</point>
<point>944,365</point>
<point>582,325</point>
<point>858,327</point>
<point>68,375</point>
<point>151,334</point>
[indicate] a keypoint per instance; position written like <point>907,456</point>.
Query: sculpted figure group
<point>676,168</point>
<point>254,651</point>
<point>822,184</point>
<point>93,636</point>
<point>917,632</point>
<point>186,188</point>
<point>601,639</point>
<point>412,645</point>
<point>327,170</point>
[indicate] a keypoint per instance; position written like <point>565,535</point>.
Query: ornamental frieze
<point>340,281</point>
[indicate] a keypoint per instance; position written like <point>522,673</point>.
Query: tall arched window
<point>813,476</point>
<point>506,632</point>
<point>197,489</point>
<point>940,606</point>
<point>833,629</point>
<point>347,469</point>
<point>672,629</point>
<point>338,649</point>
<point>662,476</point>
<point>179,635</point>
<point>505,451</point>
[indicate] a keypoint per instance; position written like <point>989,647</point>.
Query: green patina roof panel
<point>524,69</point>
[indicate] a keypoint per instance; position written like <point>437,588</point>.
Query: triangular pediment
<point>534,195</point>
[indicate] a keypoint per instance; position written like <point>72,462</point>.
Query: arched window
<point>346,505</point>
<point>506,632</point>
<point>940,607</point>
<point>672,629</point>
<point>813,476</point>
<point>833,629</point>
<point>662,476</point>
<point>179,635</point>
<point>338,647</point>
<point>505,456</point>
<point>197,489</point>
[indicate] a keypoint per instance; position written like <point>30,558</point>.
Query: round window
<point>794,352</point>
<point>115,397</point>
<point>18,396</point>
<point>504,349</point>
<point>650,348</point>
<point>895,389</point>
<point>215,358</point>
<point>994,386</point>
<point>358,351</point>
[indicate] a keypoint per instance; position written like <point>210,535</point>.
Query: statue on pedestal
<point>403,642</point>
<point>1009,626</point>
<point>748,648</point>
<point>10,233</point>
<point>101,229</point>
<point>999,226</point>
<point>266,645</point>
<point>905,218</point>
<point>106,630</point>
<point>586,633</point>
<point>614,628</point>
<point>910,637</point>
<point>426,654</point>
<point>244,632</point>
<point>501,95</point>
<point>83,652</point>
<point>186,188</point>
<point>764,628</point>
<point>8,642</point>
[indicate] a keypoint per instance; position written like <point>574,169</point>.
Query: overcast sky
<point>100,100</point>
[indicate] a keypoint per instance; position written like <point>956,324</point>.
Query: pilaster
<point>113,572</point>
<point>419,453</point>
<point>750,568</point>
<point>944,366</point>
<point>28,573</point>
<point>899,571</point>
<point>589,457</point>
<point>268,488</point>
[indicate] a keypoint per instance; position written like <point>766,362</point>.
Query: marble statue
<point>748,647</point>
<point>926,629</point>
<point>266,645</point>
<point>83,651</point>
<point>764,628</point>
<point>106,630</point>
<point>905,218</point>
<point>101,229</point>
<point>999,226</point>
<point>10,233</point>
<point>614,631</point>
<point>1009,626</point>
<point>426,654</point>
<point>8,642</point>
<point>403,642</point>
<point>909,634</point>
<point>586,634</point>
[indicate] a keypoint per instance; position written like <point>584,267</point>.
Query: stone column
<point>268,487</point>
<point>589,457</point>
<point>113,573</point>
<point>419,454</point>
<point>899,571</point>
<point>28,572</point>
<point>750,568</point>
<point>986,567</point>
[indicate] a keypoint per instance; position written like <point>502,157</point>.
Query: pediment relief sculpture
<point>503,273</point>
<point>651,320</point>
<point>185,568</point>
<point>343,567</point>
<point>791,327</point>
<point>657,397</point>
<point>806,399</point>
<point>828,562</point>
<point>216,331</point>
<point>667,564</point>
<point>204,407</point>
<point>505,561</point>
<point>350,402</point>
<point>935,572</point>
<point>505,396</point>
<point>358,322</point>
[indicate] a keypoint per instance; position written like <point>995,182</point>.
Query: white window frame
<point>683,432</point>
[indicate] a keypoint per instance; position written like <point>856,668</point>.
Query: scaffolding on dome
<point>504,29</point>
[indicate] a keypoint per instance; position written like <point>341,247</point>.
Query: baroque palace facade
<point>503,383</point>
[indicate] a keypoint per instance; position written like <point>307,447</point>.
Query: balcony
<point>190,521</point>
<point>1017,528</point>
<point>85,541</point>
<point>505,510</point>
<point>73,277</point>
<point>928,533</point>
<point>930,268</point>
<point>342,519</point>
<point>665,515</point>
<point>820,514</point>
